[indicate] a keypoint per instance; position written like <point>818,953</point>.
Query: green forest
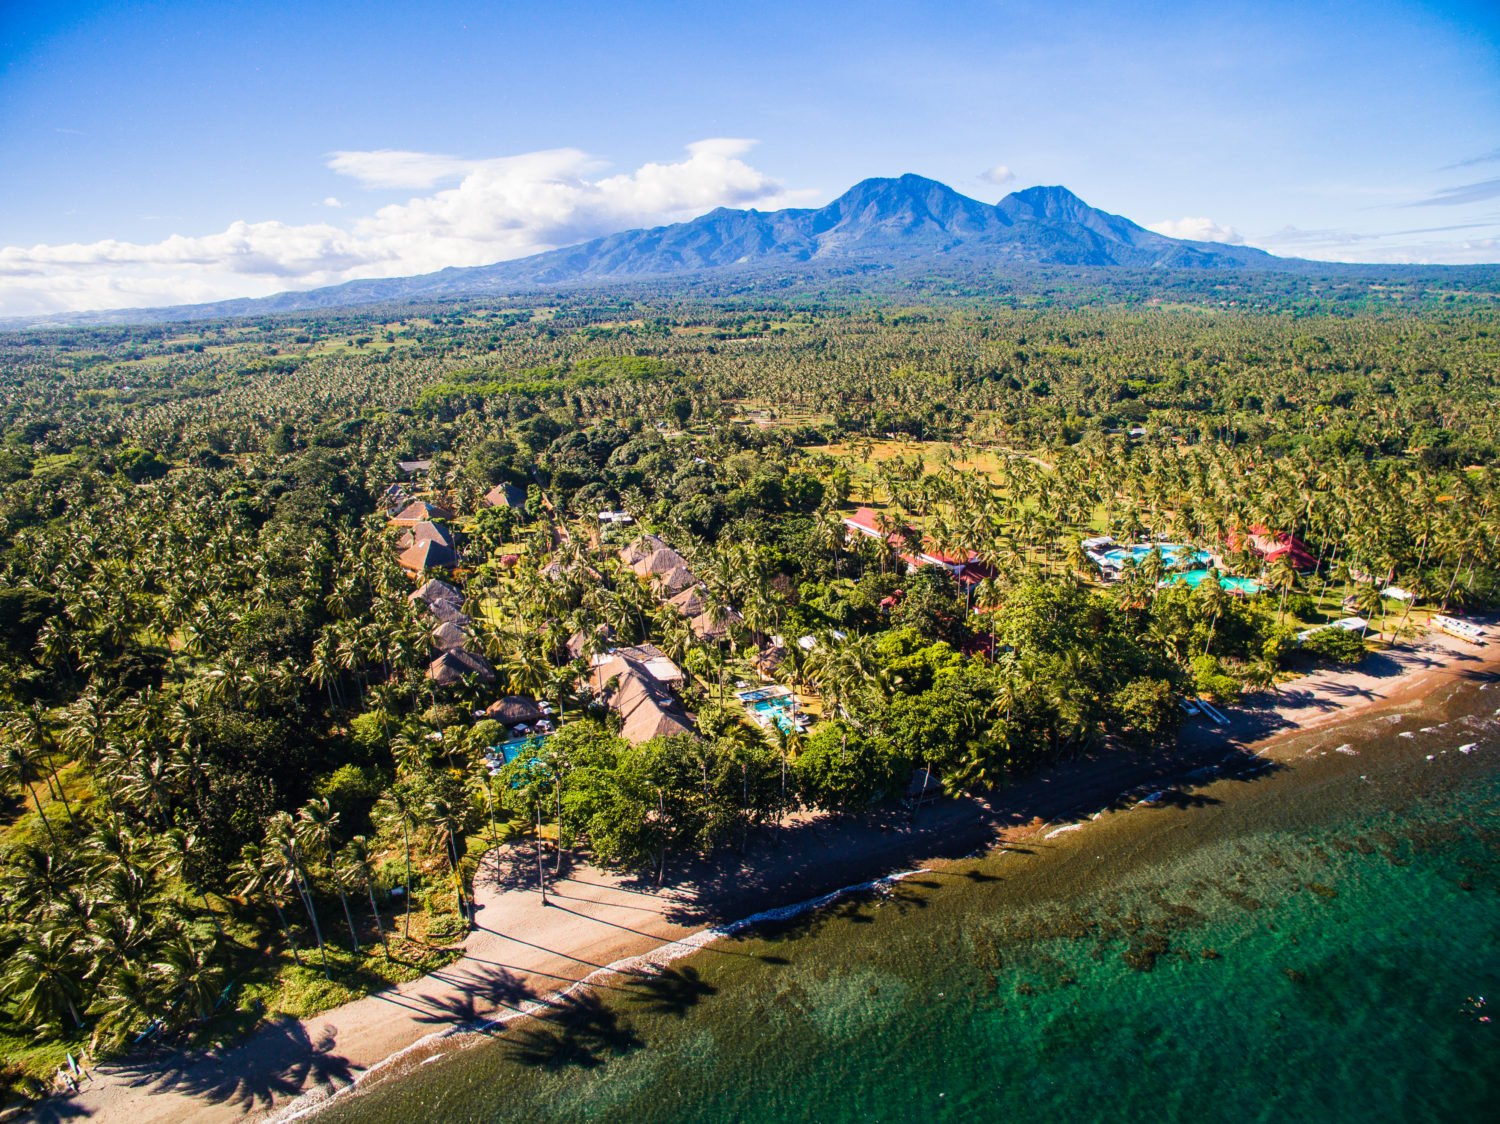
<point>233,788</point>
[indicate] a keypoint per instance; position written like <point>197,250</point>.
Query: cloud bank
<point>999,175</point>
<point>1198,230</point>
<point>492,210</point>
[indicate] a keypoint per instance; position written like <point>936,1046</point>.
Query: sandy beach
<point>596,923</point>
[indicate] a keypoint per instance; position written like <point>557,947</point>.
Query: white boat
<point>1463,630</point>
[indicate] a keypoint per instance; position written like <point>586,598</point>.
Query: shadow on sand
<point>287,1061</point>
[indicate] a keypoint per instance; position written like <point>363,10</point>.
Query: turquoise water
<point>1194,578</point>
<point>782,708</point>
<point>1307,944</point>
<point>1172,553</point>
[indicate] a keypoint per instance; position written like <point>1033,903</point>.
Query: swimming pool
<point>1194,578</point>
<point>773,704</point>
<point>1172,553</point>
<point>508,751</point>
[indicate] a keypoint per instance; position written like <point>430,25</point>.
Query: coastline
<point>522,957</point>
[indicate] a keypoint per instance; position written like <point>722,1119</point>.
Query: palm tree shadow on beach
<point>671,991</point>
<point>280,1061</point>
<point>576,1030</point>
<point>481,994</point>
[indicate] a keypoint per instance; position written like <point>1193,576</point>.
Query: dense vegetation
<point>222,753</point>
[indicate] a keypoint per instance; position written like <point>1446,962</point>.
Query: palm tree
<point>190,969</point>
<point>180,849</point>
<point>316,821</point>
<point>284,852</point>
<point>19,766</point>
<point>395,808</point>
<point>1367,603</point>
<point>445,822</point>
<point>1281,575</point>
<point>43,977</point>
<point>252,874</point>
<point>353,868</point>
<point>32,726</point>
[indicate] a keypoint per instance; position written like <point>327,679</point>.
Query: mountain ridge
<point>903,222</point>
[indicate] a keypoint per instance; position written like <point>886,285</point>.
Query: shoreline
<point>601,926</point>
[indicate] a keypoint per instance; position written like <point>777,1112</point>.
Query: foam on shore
<point>672,949</point>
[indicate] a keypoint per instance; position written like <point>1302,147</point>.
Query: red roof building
<point>1271,545</point>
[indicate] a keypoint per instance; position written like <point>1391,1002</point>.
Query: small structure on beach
<point>1463,630</point>
<point>1347,624</point>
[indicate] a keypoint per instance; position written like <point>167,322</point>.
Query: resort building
<point>1347,624</point>
<point>426,555</point>
<point>1271,545</point>
<point>424,532</point>
<point>646,708</point>
<point>433,591</point>
<point>448,636</point>
<point>457,665</point>
<point>967,569</point>
<point>418,511</point>
<point>512,496</point>
<point>707,625</point>
<point>649,557</point>
<point>652,659</point>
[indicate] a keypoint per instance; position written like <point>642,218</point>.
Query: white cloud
<point>332,201</point>
<point>1413,246</point>
<point>391,167</point>
<point>999,175</point>
<point>498,209</point>
<point>1197,230</point>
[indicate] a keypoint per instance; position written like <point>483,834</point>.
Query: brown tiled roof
<point>419,511</point>
<point>506,495</point>
<point>690,602</point>
<point>675,580</point>
<point>424,555</point>
<point>510,710</point>
<point>643,547</point>
<point>448,612</point>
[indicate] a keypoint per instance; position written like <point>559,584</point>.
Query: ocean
<point>1319,941</point>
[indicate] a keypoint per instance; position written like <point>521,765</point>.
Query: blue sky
<point>156,153</point>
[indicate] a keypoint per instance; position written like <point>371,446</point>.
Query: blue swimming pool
<point>508,751</point>
<point>1172,553</point>
<point>1194,578</point>
<point>772,704</point>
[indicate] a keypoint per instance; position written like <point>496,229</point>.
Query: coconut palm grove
<point>302,613</point>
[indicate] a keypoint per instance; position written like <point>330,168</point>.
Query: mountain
<point>885,220</point>
<point>909,223</point>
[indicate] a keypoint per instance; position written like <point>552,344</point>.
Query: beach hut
<point>514,710</point>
